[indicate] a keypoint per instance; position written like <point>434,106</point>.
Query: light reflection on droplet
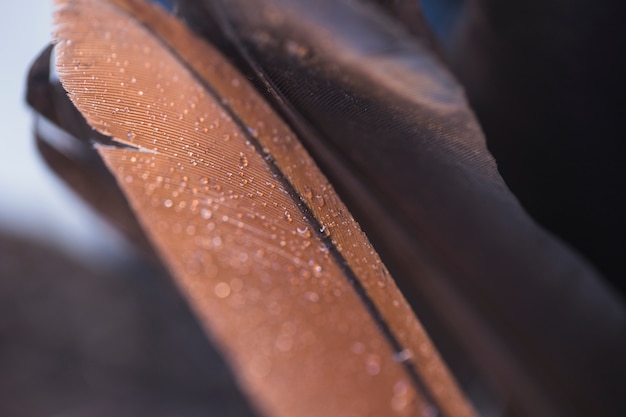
<point>312,296</point>
<point>303,231</point>
<point>403,356</point>
<point>243,160</point>
<point>401,395</point>
<point>295,49</point>
<point>372,364</point>
<point>206,213</point>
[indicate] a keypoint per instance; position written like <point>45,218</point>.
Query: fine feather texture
<point>528,314</point>
<point>269,257</point>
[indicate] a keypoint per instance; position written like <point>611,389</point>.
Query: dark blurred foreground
<point>114,341</point>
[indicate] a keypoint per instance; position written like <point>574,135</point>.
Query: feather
<point>274,265</point>
<point>394,134</point>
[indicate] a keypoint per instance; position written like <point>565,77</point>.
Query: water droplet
<point>217,241</point>
<point>320,200</point>
<point>253,131</point>
<point>312,296</point>
<point>243,160</point>
<point>401,395</point>
<point>308,193</point>
<point>222,290</point>
<point>403,356</point>
<point>206,213</point>
<point>372,364</point>
<point>168,203</point>
<point>130,135</point>
<point>295,49</point>
<point>303,231</point>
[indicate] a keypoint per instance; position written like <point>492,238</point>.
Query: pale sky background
<point>33,201</point>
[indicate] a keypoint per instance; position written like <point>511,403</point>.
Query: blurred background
<point>34,203</point>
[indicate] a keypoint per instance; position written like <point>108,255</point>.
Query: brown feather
<point>269,257</point>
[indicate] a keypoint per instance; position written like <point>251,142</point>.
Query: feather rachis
<point>206,191</point>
